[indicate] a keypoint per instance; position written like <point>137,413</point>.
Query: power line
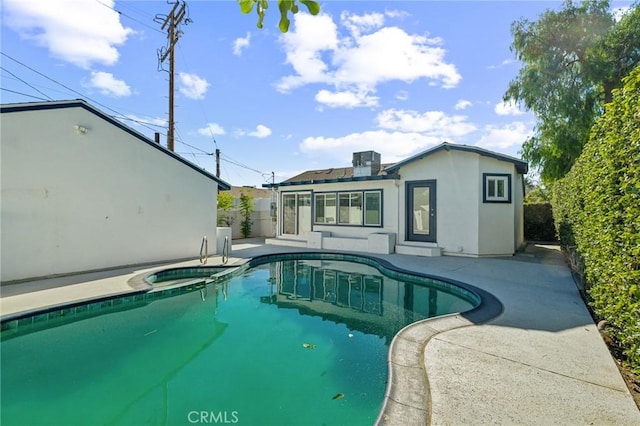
<point>69,88</point>
<point>202,151</point>
<point>192,154</point>
<point>127,16</point>
<point>244,166</point>
<point>28,84</point>
<point>141,122</point>
<point>200,102</point>
<point>24,94</point>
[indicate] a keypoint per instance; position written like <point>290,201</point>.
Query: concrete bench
<point>381,243</point>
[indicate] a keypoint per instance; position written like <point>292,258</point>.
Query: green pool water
<point>286,342</point>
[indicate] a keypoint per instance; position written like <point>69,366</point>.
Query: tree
<point>225,204</point>
<point>285,6</point>
<point>246,208</point>
<point>617,54</point>
<point>573,59</point>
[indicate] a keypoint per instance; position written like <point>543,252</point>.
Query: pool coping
<point>407,398</point>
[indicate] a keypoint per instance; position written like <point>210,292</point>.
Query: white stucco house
<point>450,199</point>
<point>81,191</point>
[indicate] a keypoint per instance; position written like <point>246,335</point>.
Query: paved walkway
<point>541,361</point>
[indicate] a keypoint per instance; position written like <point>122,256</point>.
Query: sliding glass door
<point>296,213</point>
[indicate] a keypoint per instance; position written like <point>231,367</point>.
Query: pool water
<point>285,342</point>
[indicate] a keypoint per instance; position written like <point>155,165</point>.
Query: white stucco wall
<point>389,206</point>
<point>518,186</point>
<point>465,224</point>
<point>457,192</point>
<point>74,202</point>
<point>497,220</point>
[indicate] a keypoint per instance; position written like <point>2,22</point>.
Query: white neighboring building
<point>451,199</point>
<point>81,191</point>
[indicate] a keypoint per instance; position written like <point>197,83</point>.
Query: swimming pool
<point>286,339</point>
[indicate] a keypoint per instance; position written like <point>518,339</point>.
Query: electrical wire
<point>180,140</point>
<point>244,166</point>
<point>141,122</point>
<point>69,88</point>
<point>122,116</point>
<point>202,110</point>
<point>23,94</point>
<point>28,84</point>
<point>127,16</point>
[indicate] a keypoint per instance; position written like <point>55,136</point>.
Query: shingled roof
<point>390,170</point>
<point>330,174</point>
<point>335,174</point>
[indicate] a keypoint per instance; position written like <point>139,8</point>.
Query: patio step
<point>419,250</point>
<point>285,242</point>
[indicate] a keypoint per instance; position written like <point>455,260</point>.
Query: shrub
<point>246,208</point>
<point>597,212</point>
<point>538,222</point>
<point>225,204</point>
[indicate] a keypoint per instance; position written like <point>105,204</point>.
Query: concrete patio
<point>541,360</point>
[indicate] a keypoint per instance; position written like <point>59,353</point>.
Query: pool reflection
<point>356,295</point>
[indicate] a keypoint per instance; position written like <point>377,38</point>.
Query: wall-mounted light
<point>81,130</point>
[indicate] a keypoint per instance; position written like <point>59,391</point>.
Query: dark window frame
<point>486,198</point>
<point>362,193</point>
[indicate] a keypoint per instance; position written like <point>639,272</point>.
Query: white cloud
<point>241,43</point>
<point>392,146</point>
<point>402,95</point>
<point>79,32</point>
<point>192,86</point>
<point>304,47</point>
<point>507,108</point>
<point>260,132</point>
<point>506,136</point>
<point>406,58</point>
<point>318,54</point>
<point>401,134</point>
<point>345,99</point>
<point>435,123</point>
<point>108,84</point>
<point>400,14</point>
<point>211,129</point>
<point>502,64</point>
<point>462,104</point>
<point>358,24</point>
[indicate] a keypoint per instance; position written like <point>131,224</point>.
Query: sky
<point>395,77</point>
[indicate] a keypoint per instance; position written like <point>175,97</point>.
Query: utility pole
<point>217,163</point>
<point>171,22</point>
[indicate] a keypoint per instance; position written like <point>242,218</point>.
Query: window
<point>325,208</point>
<point>353,208</point>
<point>350,212</point>
<point>372,211</point>
<point>496,188</point>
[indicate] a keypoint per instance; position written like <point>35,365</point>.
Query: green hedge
<point>538,222</point>
<point>597,214</point>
